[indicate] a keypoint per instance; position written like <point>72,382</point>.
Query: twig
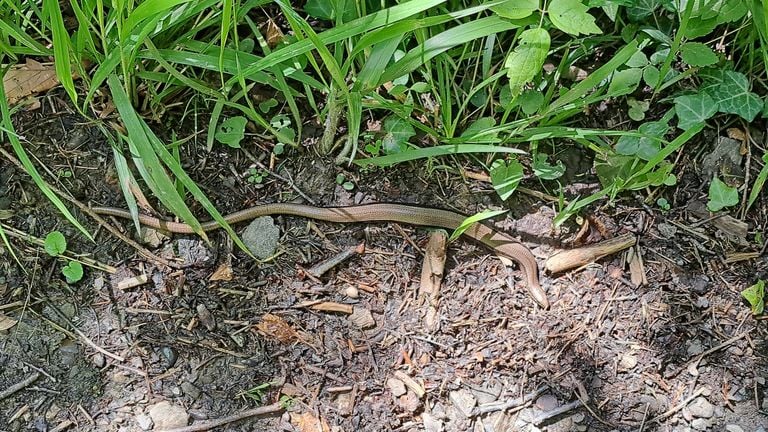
<point>541,418</point>
<point>505,405</point>
<point>207,425</point>
<point>18,386</point>
<point>679,406</point>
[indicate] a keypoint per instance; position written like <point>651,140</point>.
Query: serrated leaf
<point>73,271</point>
<point>516,9</point>
<point>397,133</point>
<point>55,243</point>
<point>755,295</point>
<point>505,176</point>
<point>571,17</point>
<point>694,109</point>
<point>721,195</point>
<point>698,54</point>
<point>733,96</point>
<point>546,171</point>
<point>625,81</point>
<point>645,147</point>
<point>527,59</point>
<point>641,9</point>
<point>231,131</point>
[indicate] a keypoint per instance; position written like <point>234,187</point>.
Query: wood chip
<point>362,318</point>
<point>331,307</point>
<point>132,282</point>
<point>410,383</point>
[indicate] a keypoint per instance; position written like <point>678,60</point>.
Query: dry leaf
<point>224,272</point>
<point>274,34</point>
<point>27,79</point>
<point>274,327</point>
<point>306,422</point>
<point>6,323</point>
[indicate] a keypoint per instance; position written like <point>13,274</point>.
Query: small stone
<point>700,424</point>
<point>152,237</point>
<point>166,415</point>
<point>351,292</point>
<point>701,407</point>
<point>98,360</point>
<point>702,302</point>
<point>144,422</point>
<point>463,401</point>
<point>628,361</point>
<point>431,424</point>
<point>409,402</point>
<point>362,318</point>
<point>547,403</point>
<point>396,387</point>
<point>190,390</point>
<point>206,317</point>
<point>578,417</point>
<point>733,428</point>
<point>694,347</point>
<point>261,237</point>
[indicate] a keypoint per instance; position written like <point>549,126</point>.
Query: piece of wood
<point>575,258</point>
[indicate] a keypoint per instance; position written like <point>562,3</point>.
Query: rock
<point>628,361</point>
<point>261,237</point>
<point>547,402</point>
<point>166,415</point>
<point>701,408</point>
<point>190,390</point>
<point>463,401</point>
<point>98,360</point>
<point>430,423</point>
<point>362,318</point>
<point>733,428</point>
<point>396,387</point>
<point>144,422</point>
<point>700,424</point>
<point>694,347</point>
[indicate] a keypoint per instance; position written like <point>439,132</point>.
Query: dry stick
<point>85,209</point>
<point>321,268</point>
<point>573,258</point>
<point>680,406</point>
<point>204,426</point>
<point>505,405</point>
<point>82,335</point>
<point>18,386</point>
<point>541,418</point>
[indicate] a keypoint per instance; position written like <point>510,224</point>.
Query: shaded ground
<point>680,352</point>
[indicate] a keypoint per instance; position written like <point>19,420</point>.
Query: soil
<point>221,334</point>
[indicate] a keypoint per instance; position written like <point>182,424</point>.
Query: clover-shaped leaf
<point>55,243</point>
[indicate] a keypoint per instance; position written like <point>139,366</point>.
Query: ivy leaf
<point>505,176</point>
<point>231,131</point>
<point>625,81</point>
<point>733,96</point>
<point>398,132</point>
<point>755,295</point>
<point>645,147</point>
<point>694,109</point>
<point>641,9</point>
<point>73,272</point>
<point>478,128</point>
<point>55,243</point>
<point>516,9</point>
<point>721,195</point>
<point>526,60</point>
<point>698,54</point>
<point>571,17</point>
<point>322,9</point>
<point>544,170</point>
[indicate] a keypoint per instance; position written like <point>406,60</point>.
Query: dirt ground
<point>154,347</point>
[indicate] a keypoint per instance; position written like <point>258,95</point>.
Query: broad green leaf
<point>397,133</point>
<point>72,271</point>
<point>478,129</point>
<point>694,109</point>
<point>759,182</point>
<point>231,131</point>
<point>471,220</point>
<point>571,17</point>
<point>544,170</point>
<point>645,147</point>
<point>55,243</point>
<point>516,9</point>
<point>721,195</point>
<point>733,96</point>
<point>625,81</point>
<point>638,60</point>
<point>322,9</point>
<point>526,60</point>
<point>530,101</point>
<point>505,176</point>
<point>698,54</point>
<point>650,75</point>
<point>755,295</point>
<point>641,9</point>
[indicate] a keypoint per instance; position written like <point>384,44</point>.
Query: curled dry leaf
<point>274,327</point>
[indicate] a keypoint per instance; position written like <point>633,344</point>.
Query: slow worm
<point>501,243</point>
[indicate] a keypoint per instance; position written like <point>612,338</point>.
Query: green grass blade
<point>9,131</point>
<point>759,182</point>
<point>595,78</point>
<point>428,152</point>
<point>146,160</point>
<point>61,46</point>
